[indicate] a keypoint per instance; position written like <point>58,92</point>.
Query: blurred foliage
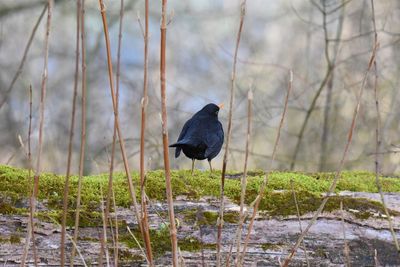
<point>277,36</point>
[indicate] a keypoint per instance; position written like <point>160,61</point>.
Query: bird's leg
<point>211,169</point>
<point>192,165</point>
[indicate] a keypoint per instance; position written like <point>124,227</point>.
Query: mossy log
<point>196,207</point>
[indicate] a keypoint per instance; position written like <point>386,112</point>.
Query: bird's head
<point>211,109</point>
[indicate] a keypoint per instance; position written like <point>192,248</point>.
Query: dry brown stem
<point>116,243</point>
<point>71,136</point>
<point>242,214</point>
<point>30,234</point>
<point>299,219</point>
<point>103,239</point>
<point>41,123</point>
<point>118,74</point>
<point>144,221</point>
<point>116,115</point>
<point>172,226</point>
<point>346,250</point>
<point>83,132</point>
<point>220,222</point>
<point>260,195</point>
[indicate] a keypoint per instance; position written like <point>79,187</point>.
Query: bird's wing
<point>214,142</point>
<point>181,139</point>
<point>185,129</point>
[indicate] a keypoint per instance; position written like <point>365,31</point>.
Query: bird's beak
<point>221,105</point>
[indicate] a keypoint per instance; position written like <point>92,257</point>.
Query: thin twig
<point>220,222</point>
<point>342,161</point>
<point>144,102</point>
<point>118,74</point>
<point>21,64</point>
<point>163,43</point>
<point>41,119</point>
<point>71,136</point>
<point>376,260</point>
<point>116,115</point>
<point>299,219</point>
<point>260,195</point>
<point>83,131</point>
<point>238,236</point>
<point>345,245</point>
<point>116,243</point>
<point>103,239</point>
<point>137,242</point>
<point>378,137</point>
<point>74,244</point>
<point>30,232</point>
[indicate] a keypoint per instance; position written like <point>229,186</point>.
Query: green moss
<point>15,239</point>
<point>15,185</point>
<point>160,240</point>
<point>190,244</point>
<point>282,204</point>
<point>6,208</point>
<point>127,256</point>
<point>87,218</point>
<point>210,218</point>
<point>271,246</point>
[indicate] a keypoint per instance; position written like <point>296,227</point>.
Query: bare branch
<point>21,64</point>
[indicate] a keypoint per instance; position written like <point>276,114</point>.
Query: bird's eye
<point>216,112</point>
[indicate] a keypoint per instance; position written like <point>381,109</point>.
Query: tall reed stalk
<point>220,222</point>
<point>83,132</point>
<point>163,44</point>
<point>71,136</point>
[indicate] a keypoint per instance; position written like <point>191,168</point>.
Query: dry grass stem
<point>83,131</point>
<point>103,239</point>
<point>116,243</point>
<point>31,225</point>
<point>376,260</point>
<point>118,74</point>
<point>144,219</point>
<point>220,222</point>
<point>242,214</point>
<point>378,137</point>
<point>137,243</point>
<point>116,115</point>
<point>260,195</point>
<point>74,244</point>
<point>346,250</point>
<point>30,234</point>
<point>71,136</point>
<point>299,219</point>
<point>21,64</point>
<point>163,43</point>
<point>342,161</point>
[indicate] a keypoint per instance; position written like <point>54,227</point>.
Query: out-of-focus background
<point>277,36</point>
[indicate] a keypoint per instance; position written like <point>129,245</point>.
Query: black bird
<point>202,135</point>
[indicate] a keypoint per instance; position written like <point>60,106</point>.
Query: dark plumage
<point>202,135</point>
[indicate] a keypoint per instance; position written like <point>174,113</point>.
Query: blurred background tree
<point>326,43</point>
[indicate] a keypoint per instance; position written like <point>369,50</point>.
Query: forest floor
<point>196,207</point>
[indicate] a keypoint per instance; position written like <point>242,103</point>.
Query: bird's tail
<point>178,148</point>
<point>175,145</point>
